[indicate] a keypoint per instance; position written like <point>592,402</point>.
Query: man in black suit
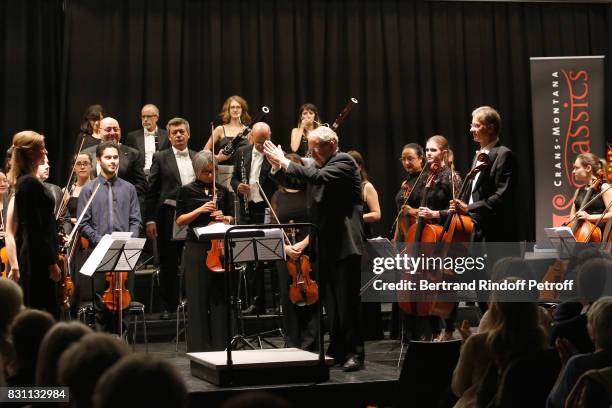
<point>170,169</point>
<point>335,206</point>
<point>491,202</point>
<point>148,139</point>
<point>251,166</point>
<point>131,161</point>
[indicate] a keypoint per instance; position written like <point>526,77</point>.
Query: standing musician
<point>598,212</point>
<point>115,207</point>
<point>308,120</point>
<point>335,204</point>
<point>436,152</point>
<point>492,191</point>
<point>89,133</point>
<point>234,117</point>
<point>43,176</point>
<point>31,231</point>
<point>171,169</point>
<point>198,204</point>
<point>289,204</point>
<point>250,166</point>
<point>150,138</point>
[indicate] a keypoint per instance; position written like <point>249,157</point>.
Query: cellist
<point>196,207</point>
<point>585,168</point>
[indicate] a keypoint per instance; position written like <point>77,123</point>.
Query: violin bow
<point>265,197</point>
<point>399,212</point>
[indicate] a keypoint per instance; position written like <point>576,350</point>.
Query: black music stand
<point>114,253</point>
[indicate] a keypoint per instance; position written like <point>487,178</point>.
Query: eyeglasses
<point>111,129</point>
<point>82,164</point>
<point>148,116</point>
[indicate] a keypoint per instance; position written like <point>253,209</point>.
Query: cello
<point>421,232</point>
<point>403,223</point>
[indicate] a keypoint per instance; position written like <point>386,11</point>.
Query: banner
<point>568,119</point>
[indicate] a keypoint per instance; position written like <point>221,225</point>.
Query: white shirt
<point>485,150</point>
<point>184,164</point>
<point>149,146</point>
<point>257,159</point>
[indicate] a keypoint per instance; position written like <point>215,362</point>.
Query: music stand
<point>114,253</point>
<point>562,239</point>
<point>237,231</point>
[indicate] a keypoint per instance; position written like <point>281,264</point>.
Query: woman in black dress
<point>308,119</point>
<point>32,240</point>
<point>206,330</point>
<point>234,117</point>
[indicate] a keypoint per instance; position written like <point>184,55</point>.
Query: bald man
<point>131,162</point>
<point>251,166</point>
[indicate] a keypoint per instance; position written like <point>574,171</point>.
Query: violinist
<point>115,207</point>
<point>299,320</point>
<point>82,170</point>
<point>196,207</point>
<point>585,168</point>
<point>31,235</point>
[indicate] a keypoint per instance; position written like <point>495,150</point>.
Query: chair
<point>135,309</point>
<point>427,372</point>
<point>528,381</point>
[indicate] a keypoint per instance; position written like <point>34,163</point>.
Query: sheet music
<point>131,252</point>
<point>91,264</point>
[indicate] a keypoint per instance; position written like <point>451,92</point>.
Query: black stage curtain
<point>31,50</point>
<point>418,69</point>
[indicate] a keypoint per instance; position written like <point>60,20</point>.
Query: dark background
<point>418,69</point>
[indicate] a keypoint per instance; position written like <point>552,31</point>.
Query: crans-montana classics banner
<point>567,108</point>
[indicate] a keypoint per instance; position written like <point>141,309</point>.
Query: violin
<point>422,232</point>
<point>3,262</point>
<point>302,290</point>
<point>116,296</point>
<point>403,223</point>
<point>216,254</point>
<point>65,286</point>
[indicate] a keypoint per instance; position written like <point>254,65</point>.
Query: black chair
<point>527,381</point>
<point>427,373</point>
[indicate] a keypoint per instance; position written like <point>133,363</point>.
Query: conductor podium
<point>262,366</point>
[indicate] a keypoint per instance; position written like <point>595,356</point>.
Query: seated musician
<point>114,208</point>
<point>198,204</point>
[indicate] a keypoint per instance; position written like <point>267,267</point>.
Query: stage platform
<point>376,384</point>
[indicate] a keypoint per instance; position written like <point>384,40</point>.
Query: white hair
<point>324,134</point>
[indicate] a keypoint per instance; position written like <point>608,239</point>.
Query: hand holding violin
<point>293,252</point>
<point>55,273</point>
<point>458,206</point>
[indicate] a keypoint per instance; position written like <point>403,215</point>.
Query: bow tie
<point>184,153</point>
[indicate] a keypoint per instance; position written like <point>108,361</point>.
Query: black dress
<point>299,321</point>
<point>37,243</point>
<point>206,327</point>
<point>596,207</point>
<point>224,142</point>
<point>303,147</point>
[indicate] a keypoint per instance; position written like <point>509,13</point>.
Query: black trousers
<point>169,252</point>
<point>206,307</point>
<point>255,271</point>
<point>341,282</point>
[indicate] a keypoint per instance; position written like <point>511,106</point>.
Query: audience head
<point>592,278</point>
<point>11,303</point>
<point>28,330</point>
<point>256,399</point>
<point>599,323</point>
<point>178,133</point>
<point>56,341</point>
<point>90,122</point>
<point>140,380</point>
<point>149,115</point>
<point>28,153</point>
<point>93,354</point>
<point>511,266</point>
<point>235,107</point>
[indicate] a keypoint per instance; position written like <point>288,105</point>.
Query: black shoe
<point>353,364</point>
<point>164,315</point>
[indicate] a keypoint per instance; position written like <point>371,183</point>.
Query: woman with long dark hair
<point>308,119</point>
<point>89,131</point>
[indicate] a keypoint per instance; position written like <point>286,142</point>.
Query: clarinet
<point>229,148</point>
<point>245,197</point>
